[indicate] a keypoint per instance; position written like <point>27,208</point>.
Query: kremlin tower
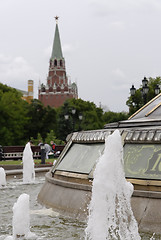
<point>57,89</point>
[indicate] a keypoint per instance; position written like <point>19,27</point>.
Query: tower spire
<point>57,51</point>
<point>57,89</point>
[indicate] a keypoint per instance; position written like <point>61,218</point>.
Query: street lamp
<point>80,116</point>
<point>73,111</point>
<point>132,90</point>
<point>157,90</point>
<point>145,82</point>
<point>144,90</point>
<point>80,119</point>
<point>66,116</point>
<point>139,97</point>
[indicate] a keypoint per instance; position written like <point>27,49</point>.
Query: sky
<point>108,45</point>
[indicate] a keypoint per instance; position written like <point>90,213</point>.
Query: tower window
<point>61,63</point>
<point>42,87</point>
<point>55,62</point>
<point>50,89</point>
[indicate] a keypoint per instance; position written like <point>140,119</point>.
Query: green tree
<point>52,137</point>
<point>110,117</point>
<point>37,140</point>
<point>42,119</point>
<point>64,126</point>
<point>92,117</point>
<point>21,121</point>
<point>136,101</point>
<point>13,117</point>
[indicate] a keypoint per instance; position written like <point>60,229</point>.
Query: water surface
<point>45,223</point>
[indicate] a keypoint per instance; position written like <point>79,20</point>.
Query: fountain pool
<point>45,223</point>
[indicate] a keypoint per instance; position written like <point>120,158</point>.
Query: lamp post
<point>80,117</point>
<point>66,116</point>
<point>132,90</point>
<point>73,113</point>
<point>144,90</point>
<point>145,82</point>
<point>157,90</point>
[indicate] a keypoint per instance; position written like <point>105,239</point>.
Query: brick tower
<point>57,88</point>
<point>28,95</point>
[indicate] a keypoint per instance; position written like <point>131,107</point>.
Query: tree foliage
<point>52,137</point>
<point>42,119</point>
<point>92,117</point>
<point>13,117</point>
<point>110,117</point>
<point>21,121</point>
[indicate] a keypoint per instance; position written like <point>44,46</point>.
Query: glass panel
<point>129,136</point>
<point>142,161</point>
<point>143,135</point>
<point>135,135</point>
<point>81,158</point>
<point>150,135</point>
<point>157,136</point>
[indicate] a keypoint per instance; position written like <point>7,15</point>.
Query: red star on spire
<point>56,18</point>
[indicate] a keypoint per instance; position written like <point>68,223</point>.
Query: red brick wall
<point>54,100</point>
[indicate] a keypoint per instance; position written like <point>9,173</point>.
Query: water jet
<point>2,177</point>
<point>28,165</point>
<point>110,213</point>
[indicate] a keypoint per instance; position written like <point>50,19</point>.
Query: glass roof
<point>149,108</point>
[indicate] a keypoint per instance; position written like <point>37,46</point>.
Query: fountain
<point>110,213</point>
<point>45,223</point>
<point>72,177</point>
<point>21,219</point>
<point>2,177</point>
<point>28,165</point>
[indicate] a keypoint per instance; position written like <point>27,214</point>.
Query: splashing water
<point>110,213</point>
<point>28,165</point>
<point>2,177</point>
<point>153,237</point>
<point>21,218</point>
